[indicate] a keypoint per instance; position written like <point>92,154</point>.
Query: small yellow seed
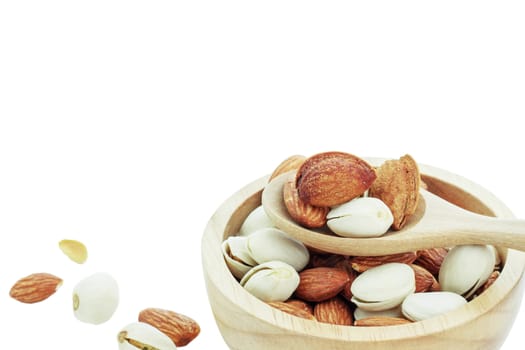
<point>74,250</point>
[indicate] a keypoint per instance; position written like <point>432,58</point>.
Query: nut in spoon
<point>436,223</point>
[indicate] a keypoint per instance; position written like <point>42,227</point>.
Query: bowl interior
<point>229,298</point>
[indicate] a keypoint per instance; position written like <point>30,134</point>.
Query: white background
<point>125,124</point>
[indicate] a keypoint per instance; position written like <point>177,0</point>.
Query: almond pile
<point>342,192</point>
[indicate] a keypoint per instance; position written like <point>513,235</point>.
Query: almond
<point>291,163</point>
<point>292,309</point>
<point>346,292</point>
<point>35,287</point>
<point>321,283</point>
<point>363,263</point>
<point>179,328</point>
<point>332,178</point>
<point>304,214</point>
<point>334,311</point>
<point>397,185</point>
<point>424,279</point>
<point>380,321</point>
<point>326,260</point>
<point>431,259</point>
<point>301,304</point>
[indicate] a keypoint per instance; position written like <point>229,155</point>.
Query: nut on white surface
<point>140,335</point>
<point>360,217</point>
<point>74,250</point>
<point>271,281</point>
<point>95,298</point>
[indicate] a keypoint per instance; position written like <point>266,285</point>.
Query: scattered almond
<point>179,328</point>
<point>35,287</point>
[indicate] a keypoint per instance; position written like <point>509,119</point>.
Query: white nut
<point>269,244</point>
<point>466,268</point>
<point>360,217</point>
<point>256,220</point>
<point>95,298</point>
<point>271,281</point>
<point>139,335</point>
<point>420,306</point>
<point>383,287</point>
<point>237,256</point>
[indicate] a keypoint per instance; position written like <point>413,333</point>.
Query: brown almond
<point>424,279</point>
<point>397,185</point>
<point>321,283</point>
<point>325,260</point>
<point>363,263</point>
<point>331,178</point>
<point>179,328</point>
<point>380,321</point>
<point>35,287</point>
<point>304,214</point>
<point>301,304</point>
<point>334,311</point>
<point>431,259</point>
<point>291,163</point>
<point>292,309</point>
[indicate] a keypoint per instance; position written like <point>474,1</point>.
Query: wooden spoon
<point>436,223</point>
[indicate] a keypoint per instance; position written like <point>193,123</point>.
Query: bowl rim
<point>224,281</point>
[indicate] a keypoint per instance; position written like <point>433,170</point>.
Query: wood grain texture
<point>247,323</point>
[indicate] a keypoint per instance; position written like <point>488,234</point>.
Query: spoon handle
<point>508,233</point>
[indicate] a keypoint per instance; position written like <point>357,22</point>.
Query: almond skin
<point>380,321</point>
<point>334,311</point>
<point>431,259</point>
<point>35,287</point>
<point>425,281</point>
<point>363,263</point>
<point>301,304</point>
<point>304,214</point>
<point>179,328</point>
<point>331,178</point>
<point>292,309</point>
<point>321,283</point>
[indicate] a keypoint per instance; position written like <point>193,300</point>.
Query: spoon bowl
<point>436,223</point>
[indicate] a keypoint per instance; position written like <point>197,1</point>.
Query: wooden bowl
<point>245,322</point>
